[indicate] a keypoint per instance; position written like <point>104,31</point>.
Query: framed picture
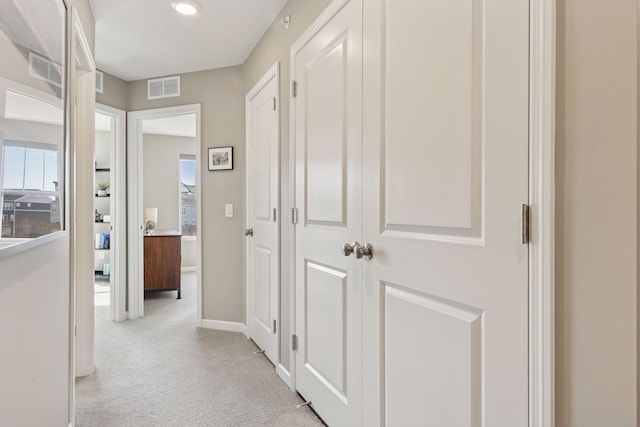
<point>220,158</point>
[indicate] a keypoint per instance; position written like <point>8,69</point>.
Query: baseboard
<point>188,269</point>
<point>284,374</point>
<point>223,325</point>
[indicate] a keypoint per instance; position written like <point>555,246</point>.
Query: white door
<point>263,251</point>
<point>328,120</point>
<point>433,329</point>
<point>446,171</point>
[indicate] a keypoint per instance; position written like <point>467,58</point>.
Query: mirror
<point>32,119</point>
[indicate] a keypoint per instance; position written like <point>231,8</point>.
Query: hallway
<point>161,370</point>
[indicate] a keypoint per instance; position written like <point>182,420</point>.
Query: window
<point>30,199</point>
<point>188,212</point>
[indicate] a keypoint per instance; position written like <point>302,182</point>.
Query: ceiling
<point>142,39</point>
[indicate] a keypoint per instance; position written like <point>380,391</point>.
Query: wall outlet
<point>228,210</point>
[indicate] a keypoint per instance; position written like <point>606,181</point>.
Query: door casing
<point>118,280</point>
<point>135,273</point>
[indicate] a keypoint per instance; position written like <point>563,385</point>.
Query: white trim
<point>22,245</point>
<point>284,374</point>
<point>188,269</point>
<point>83,56</point>
<point>134,196</point>
<point>542,202</point>
<point>317,25</point>
<point>118,279</point>
<point>79,127</point>
<point>223,325</point>
<point>272,74</point>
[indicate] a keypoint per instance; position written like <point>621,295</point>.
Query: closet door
<point>263,243</point>
<point>445,174</point>
<point>328,146</point>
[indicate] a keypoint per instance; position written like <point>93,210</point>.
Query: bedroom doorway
<point>164,204</point>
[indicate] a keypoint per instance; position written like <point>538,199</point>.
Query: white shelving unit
<point>103,207</point>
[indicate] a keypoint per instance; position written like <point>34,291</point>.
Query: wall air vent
<point>45,69</point>
<point>99,81</point>
<point>165,87</point>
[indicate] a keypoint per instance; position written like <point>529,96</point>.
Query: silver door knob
<point>367,251</point>
<point>353,248</point>
<point>360,251</point>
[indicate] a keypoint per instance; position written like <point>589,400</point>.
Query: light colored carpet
<point>161,370</point>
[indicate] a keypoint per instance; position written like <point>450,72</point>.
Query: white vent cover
<point>99,81</point>
<point>165,87</point>
<point>44,69</point>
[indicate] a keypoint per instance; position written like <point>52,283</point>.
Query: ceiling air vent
<point>44,69</point>
<point>99,81</point>
<point>165,87</point>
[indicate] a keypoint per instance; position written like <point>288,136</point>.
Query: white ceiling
<point>142,39</point>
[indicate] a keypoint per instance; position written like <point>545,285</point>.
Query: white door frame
<point>79,198</point>
<point>542,96</point>
<point>541,200</point>
<point>118,153</point>
<point>271,74</point>
<point>136,208</point>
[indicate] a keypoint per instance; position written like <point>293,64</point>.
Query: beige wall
<point>114,92</point>
<point>596,246</point>
<point>161,170</point>
<point>275,46</point>
<point>220,93</point>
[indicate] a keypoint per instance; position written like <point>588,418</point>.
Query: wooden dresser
<point>162,261</point>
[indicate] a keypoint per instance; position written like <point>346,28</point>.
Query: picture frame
<point>220,158</point>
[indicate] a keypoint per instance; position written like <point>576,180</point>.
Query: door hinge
<point>526,213</point>
<point>294,342</point>
<point>274,326</point>
<point>294,215</point>
<point>275,215</point>
<point>294,88</point>
<point>274,103</point>
<point>75,330</point>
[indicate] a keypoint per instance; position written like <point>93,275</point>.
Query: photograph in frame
<point>220,158</point>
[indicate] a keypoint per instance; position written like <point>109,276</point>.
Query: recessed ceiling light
<point>186,7</point>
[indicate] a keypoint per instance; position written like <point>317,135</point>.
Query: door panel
<point>326,327</point>
<point>445,173</point>
<point>445,341</point>
<point>262,198</point>
<point>432,109</point>
<point>263,288</point>
<point>328,146</point>
<point>326,132</point>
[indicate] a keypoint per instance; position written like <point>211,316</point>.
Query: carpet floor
<point>161,370</point>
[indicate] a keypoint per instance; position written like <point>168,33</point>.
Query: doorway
<point>163,181</point>
<point>110,211</point>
